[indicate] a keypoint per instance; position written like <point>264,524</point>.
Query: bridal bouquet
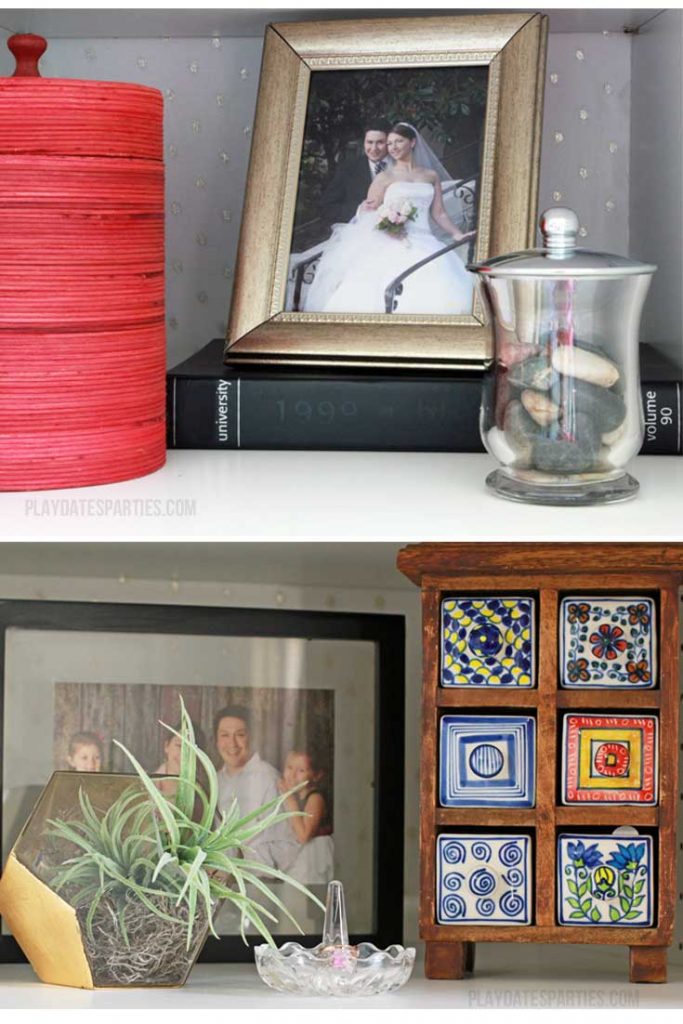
<point>392,218</point>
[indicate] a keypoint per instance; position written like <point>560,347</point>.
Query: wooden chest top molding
<point>419,560</point>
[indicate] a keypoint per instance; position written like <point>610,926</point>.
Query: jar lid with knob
<point>559,255</point>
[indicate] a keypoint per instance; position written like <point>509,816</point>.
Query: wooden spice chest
<point>595,664</point>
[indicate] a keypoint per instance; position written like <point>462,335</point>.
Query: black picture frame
<point>387,632</point>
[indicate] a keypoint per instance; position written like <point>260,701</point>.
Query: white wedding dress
<point>359,262</point>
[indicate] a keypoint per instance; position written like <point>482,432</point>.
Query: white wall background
<point>210,86</point>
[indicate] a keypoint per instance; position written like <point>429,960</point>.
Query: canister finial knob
<point>559,227</point>
<point>27,50</point>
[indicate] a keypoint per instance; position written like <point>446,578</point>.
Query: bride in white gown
<point>359,261</point>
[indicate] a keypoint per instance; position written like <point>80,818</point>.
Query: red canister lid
<point>71,117</point>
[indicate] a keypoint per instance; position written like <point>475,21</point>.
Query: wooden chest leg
<point>448,961</point>
<point>647,963</point>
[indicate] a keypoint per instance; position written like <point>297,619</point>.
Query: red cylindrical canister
<point>82,335</point>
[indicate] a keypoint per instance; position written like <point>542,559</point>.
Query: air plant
<point>176,856</point>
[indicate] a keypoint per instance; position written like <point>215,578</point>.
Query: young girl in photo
<point>314,863</point>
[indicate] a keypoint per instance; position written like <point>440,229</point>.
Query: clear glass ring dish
<point>334,967</point>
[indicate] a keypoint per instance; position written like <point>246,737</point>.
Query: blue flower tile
<point>605,880</point>
<point>483,879</point>
<point>488,641</point>
<point>487,761</point>
<point>608,642</point>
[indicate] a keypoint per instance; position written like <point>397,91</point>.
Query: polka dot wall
<point>586,135</point>
<point>210,86</point>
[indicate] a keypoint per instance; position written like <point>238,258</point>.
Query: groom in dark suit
<point>353,177</point>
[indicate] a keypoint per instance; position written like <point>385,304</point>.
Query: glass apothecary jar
<point>562,410</point>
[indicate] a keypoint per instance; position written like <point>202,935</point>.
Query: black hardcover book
<point>211,405</point>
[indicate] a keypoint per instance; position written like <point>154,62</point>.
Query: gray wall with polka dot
<point>210,88</point>
<point>656,194</point>
<point>586,134</point>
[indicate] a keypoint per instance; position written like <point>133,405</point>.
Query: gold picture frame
<point>512,46</point>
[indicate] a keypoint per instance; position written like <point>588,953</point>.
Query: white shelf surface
<point>335,496</point>
<point>507,976</point>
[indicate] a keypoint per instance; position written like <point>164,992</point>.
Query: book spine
<point>362,415</point>
<point>663,427</point>
<point>202,412</point>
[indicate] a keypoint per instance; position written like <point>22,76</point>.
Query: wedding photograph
<point>387,198</point>
<point>387,157</point>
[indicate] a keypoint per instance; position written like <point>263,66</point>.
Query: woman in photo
<point>391,232</point>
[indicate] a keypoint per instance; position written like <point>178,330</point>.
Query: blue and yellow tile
<point>488,641</point>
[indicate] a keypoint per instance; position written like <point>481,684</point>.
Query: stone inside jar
<point>559,411</point>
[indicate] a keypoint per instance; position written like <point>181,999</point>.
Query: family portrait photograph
<point>264,743</point>
<point>386,206</point>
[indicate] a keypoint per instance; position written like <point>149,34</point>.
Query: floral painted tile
<point>487,761</point>
<point>484,879</point>
<point>609,759</point>
<point>488,641</point>
<point>608,642</point>
<point>605,880</point>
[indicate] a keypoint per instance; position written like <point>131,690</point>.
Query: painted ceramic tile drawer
<point>605,880</point>
<point>608,642</point>
<point>483,879</point>
<point>487,761</point>
<point>488,641</point>
<point>610,759</point>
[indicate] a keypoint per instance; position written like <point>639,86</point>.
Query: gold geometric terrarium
<point>73,933</point>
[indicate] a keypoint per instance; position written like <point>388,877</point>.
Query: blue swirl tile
<point>485,879</point>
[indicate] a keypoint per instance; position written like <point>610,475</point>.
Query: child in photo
<point>85,752</point>
<point>170,765</point>
<point>312,830</point>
